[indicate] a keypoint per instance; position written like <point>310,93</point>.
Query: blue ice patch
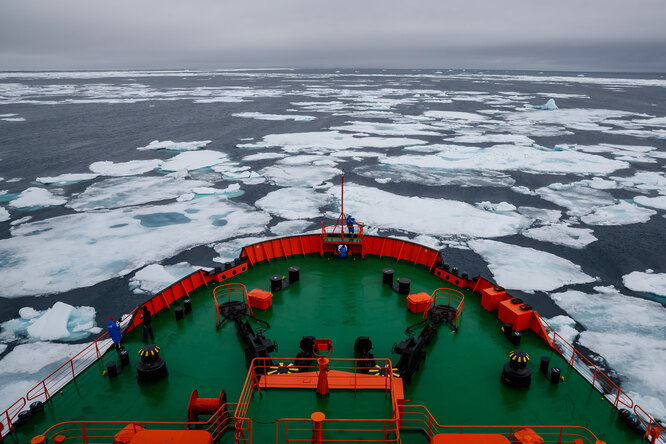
<point>162,219</point>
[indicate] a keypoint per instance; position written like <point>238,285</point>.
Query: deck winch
<point>304,358</point>
<point>516,373</point>
<point>152,367</point>
<point>362,347</point>
<point>258,346</point>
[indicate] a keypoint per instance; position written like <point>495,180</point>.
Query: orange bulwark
<point>468,438</point>
<point>516,313</point>
<point>260,299</point>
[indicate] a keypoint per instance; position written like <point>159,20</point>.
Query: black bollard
<point>187,305</point>
<point>403,285</point>
<point>111,369</point>
<point>124,357</point>
<point>178,311</point>
<point>294,274</point>
<point>545,362</point>
<point>387,276</point>
<point>516,336</point>
<point>276,283</point>
<point>454,271</point>
<point>555,375</point>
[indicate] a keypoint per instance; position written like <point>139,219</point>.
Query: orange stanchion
<point>322,348</point>
<point>317,434</point>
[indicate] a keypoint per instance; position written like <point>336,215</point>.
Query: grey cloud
<point>614,35</point>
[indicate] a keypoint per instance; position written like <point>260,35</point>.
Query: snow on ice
<point>527,269</point>
<point>67,249</point>
<point>34,198</point>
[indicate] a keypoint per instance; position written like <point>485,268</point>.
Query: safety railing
<point>418,417</point>
<point>88,432</point>
<point>587,369</point>
<point>331,229</point>
<point>653,430</point>
<point>352,374</point>
<point>52,384</point>
<point>449,295</point>
<point>229,293</point>
<point>294,430</point>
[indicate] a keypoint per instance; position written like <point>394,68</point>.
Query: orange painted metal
<point>419,302</point>
<point>172,436</point>
<point>451,296</point>
<point>513,314</point>
<point>469,438</point>
<point>526,435</point>
<point>125,435</point>
<point>260,299</point>
<point>492,296</point>
<point>322,376</point>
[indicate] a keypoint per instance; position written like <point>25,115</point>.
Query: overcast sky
<point>585,35</point>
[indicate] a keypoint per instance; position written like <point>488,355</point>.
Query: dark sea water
<point>409,142</point>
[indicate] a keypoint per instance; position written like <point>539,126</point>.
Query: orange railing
<point>87,432</point>
<point>338,430</point>
<point>448,294</point>
<point>333,228</point>
<point>418,417</point>
<point>587,369</point>
<point>258,377</point>
<point>600,380</point>
<point>229,291</point>
<point>58,379</point>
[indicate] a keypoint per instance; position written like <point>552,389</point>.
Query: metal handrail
<point>87,430</point>
<point>230,290</point>
<point>451,293</point>
<point>332,228</point>
<point>598,377</point>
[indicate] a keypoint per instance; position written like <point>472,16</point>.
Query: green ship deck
<point>459,381</point>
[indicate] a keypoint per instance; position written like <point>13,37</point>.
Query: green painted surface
<point>341,300</point>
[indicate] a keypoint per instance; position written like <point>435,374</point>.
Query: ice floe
<point>445,217</point>
<point>294,203</point>
<point>233,190</point>
<point>4,215</point>
<point>131,168</point>
<point>532,159</point>
<point>628,153</point>
<point>549,105</point>
<point>155,278</point>
<point>493,138</point>
<point>34,198</point>
<point>541,214</point>
<point>262,116</point>
<point>582,119</point>
<point>646,282</point>
<point>658,202</point>
<point>194,160</point>
<point>32,357</point>
<point>263,156</point>
<point>389,129</point>
<point>327,141</point>
<point>527,269</point>
<point>565,327</point>
<point>61,322</point>
<point>175,146</point>
<point>291,227</point>
<point>121,191</point>
<point>82,249</point>
<point>66,179</point>
<point>231,249</point>
<point>644,180</point>
<point>622,213</point>
<point>577,198</point>
<point>299,175</point>
<point>562,234</point>
<point>628,332</point>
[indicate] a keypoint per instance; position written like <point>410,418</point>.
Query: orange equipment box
<point>526,436</point>
<point>517,314</point>
<point>260,299</point>
<point>468,438</point>
<point>419,302</point>
<point>492,296</point>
